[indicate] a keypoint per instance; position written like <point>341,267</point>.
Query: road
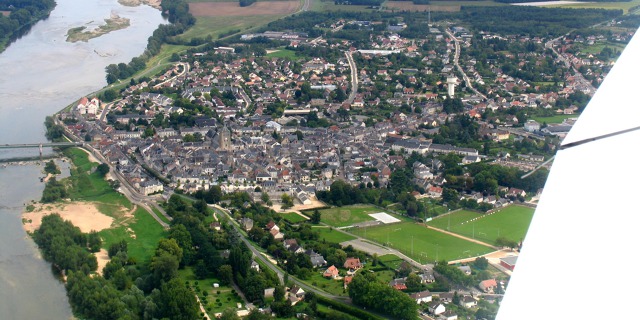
<point>456,57</point>
<point>354,76</point>
<point>127,189</point>
<point>277,270</point>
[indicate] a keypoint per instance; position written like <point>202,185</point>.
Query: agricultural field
<point>329,5</point>
<point>443,6</point>
<point>348,215</point>
<point>420,243</point>
<point>511,222</point>
<point>226,9</point>
<point>332,235</point>
<point>625,6</point>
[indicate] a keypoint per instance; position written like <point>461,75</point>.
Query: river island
<point>113,23</point>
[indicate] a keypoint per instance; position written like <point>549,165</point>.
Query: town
<point>317,142</point>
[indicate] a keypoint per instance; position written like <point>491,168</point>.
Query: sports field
<point>348,215</point>
<point>420,243</point>
<point>511,222</point>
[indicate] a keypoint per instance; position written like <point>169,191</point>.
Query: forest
<point>23,14</point>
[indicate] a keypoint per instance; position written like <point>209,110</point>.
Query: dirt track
<point>224,9</point>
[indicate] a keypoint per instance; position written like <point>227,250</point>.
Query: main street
<point>354,76</point>
<point>456,56</point>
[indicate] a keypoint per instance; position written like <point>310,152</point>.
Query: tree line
<point>23,14</point>
<point>177,11</point>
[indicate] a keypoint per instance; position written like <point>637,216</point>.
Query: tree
<point>164,267</point>
<point>264,197</point>
<point>175,301</point>
<point>102,169</point>
<point>413,282</point>
<point>94,242</point>
<point>287,201</point>
<point>51,168</point>
<point>225,274</point>
<point>481,263</point>
<point>316,216</point>
<point>229,314</point>
<point>109,95</point>
<point>278,293</point>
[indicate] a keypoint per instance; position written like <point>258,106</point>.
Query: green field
<point>348,215</point>
<point>140,230</point>
<point>597,48</point>
<point>331,235</point>
<point>428,245</point>
<point>217,26</point>
<point>511,222</point>
<point>391,261</point>
<point>285,54</point>
<point>555,119</point>
<point>454,218</point>
<point>292,217</point>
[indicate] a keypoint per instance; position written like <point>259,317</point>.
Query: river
<point>40,74</point>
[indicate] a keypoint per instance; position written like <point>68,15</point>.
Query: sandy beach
<point>83,215</point>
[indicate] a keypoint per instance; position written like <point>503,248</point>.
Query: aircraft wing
<point>579,257</point>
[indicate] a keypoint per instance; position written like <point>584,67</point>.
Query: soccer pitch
<point>420,243</point>
<point>511,222</point>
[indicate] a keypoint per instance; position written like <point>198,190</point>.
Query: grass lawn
<point>332,286</point>
<point>597,48</point>
<point>555,119</point>
<point>292,217</point>
<point>428,245</point>
<point>139,229</point>
<point>331,235</point>
<point>390,260</point>
<point>511,222</point>
<point>348,215</point>
<point>213,301</point>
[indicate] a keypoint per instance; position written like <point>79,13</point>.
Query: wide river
<point>40,74</point>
